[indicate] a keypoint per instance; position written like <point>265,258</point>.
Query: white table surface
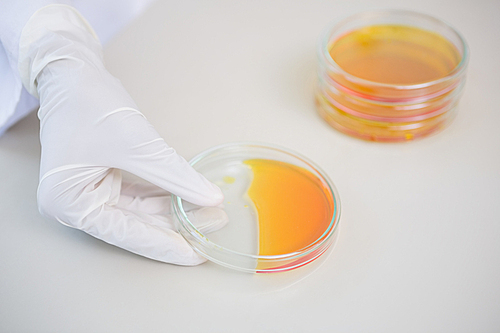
<point>419,248</point>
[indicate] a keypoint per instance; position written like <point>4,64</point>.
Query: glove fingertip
<point>207,195</point>
<point>217,197</point>
<point>192,260</point>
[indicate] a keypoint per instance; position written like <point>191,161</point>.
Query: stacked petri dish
<point>390,76</point>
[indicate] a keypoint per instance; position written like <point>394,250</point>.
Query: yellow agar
<point>228,179</point>
<point>395,54</point>
<point>294,207</point>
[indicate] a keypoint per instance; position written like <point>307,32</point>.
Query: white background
<point>419,246</point>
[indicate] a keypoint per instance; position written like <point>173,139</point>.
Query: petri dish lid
<point>283,211</point>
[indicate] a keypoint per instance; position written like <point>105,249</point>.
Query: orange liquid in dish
<point>294,207</point>
<point>395,54</point>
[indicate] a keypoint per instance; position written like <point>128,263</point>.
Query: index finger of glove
<point>160,164</point>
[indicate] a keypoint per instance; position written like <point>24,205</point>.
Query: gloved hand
<point>90,129</point>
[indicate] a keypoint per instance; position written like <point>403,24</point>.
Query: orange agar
<point>294,207</point>
<point>395,54</point>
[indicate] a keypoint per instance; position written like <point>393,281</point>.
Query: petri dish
<point>283,210</point>
<point>390,76</point>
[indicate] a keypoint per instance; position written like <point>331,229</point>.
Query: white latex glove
<point>90,129</point>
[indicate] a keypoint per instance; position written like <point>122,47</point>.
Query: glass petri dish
<point>280,230</point>
<point>390,76</point>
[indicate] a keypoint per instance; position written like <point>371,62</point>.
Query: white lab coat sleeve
<point>107,17</point>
